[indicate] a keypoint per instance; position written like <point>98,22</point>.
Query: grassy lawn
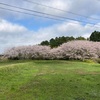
<point>49,80</point>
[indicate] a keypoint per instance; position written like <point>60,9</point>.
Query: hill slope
<point>49,80</point>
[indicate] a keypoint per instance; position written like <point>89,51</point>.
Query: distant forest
<point>55,42</point>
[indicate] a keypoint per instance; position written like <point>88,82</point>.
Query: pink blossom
<point>71,50</point>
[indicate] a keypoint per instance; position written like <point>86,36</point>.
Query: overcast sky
<point>21,29</point>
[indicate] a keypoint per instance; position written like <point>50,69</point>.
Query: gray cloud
<point>84,7</point>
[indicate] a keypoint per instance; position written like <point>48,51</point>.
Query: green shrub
<point>90,61</point>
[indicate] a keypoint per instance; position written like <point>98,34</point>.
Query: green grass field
<point>49,80</point>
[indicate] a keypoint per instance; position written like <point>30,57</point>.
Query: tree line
<point>55,42</point>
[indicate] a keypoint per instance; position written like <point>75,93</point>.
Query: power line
<point>97,26</point>
<point>61,10</point>
<point>45,13</point>
<point>30,14</point>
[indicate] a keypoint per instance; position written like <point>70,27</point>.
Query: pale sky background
<point>20,29</point>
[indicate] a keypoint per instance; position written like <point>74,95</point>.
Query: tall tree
<point>95,36</point>
<point>45,43</point>
<point>53,43</point>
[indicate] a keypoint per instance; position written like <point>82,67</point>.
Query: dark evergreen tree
<point>53,43</point>
<point>45,43</point>
<point>95,36</point>
<point>80,38</point>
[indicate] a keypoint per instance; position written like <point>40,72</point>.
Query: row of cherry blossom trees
<point>28,52</point>
<point>71,50</point>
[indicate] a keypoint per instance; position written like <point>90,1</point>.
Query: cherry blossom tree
<point>77,49</point>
